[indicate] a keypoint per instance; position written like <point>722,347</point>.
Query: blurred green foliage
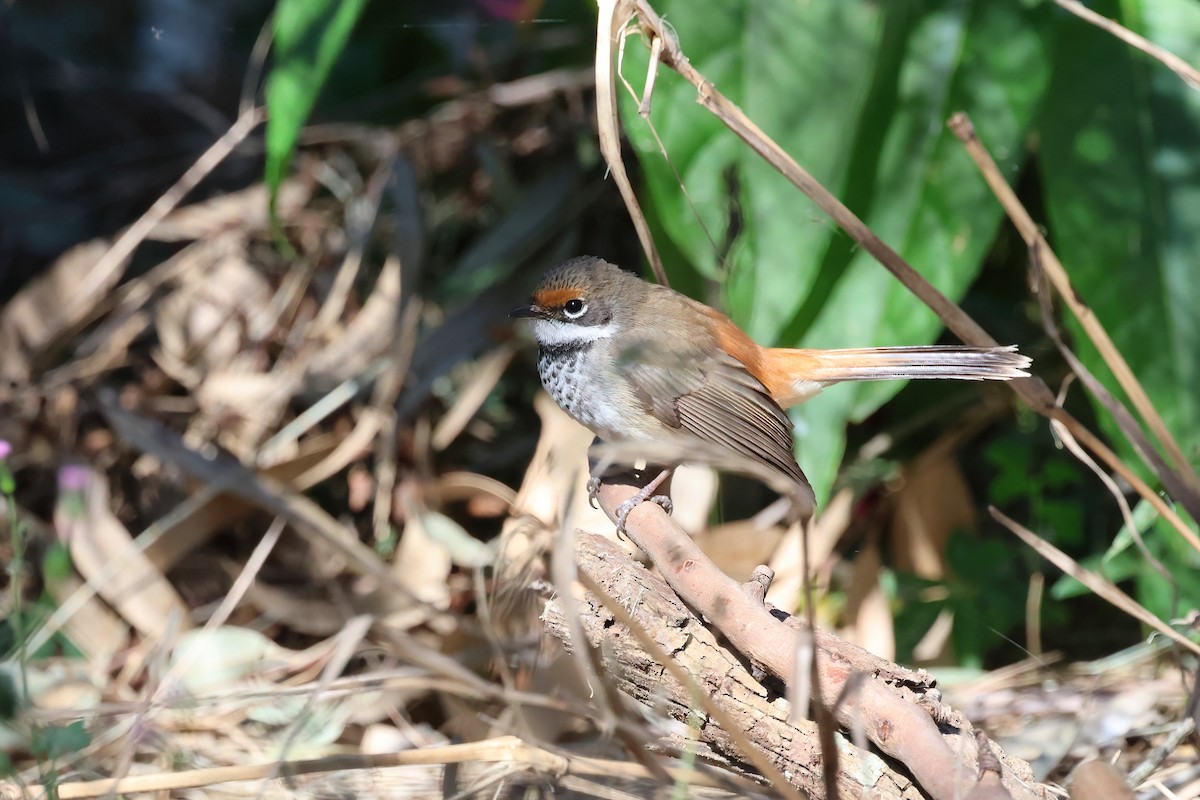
<point>309,35</point>
<point>1119,155</point>
<point>985,594</point>
<point>1102,142</point>
<point>857,93</point>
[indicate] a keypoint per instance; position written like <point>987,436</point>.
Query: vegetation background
<point>107,104</point>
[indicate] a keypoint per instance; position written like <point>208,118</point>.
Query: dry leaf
<point>104,553</point>
<point>244,211</point>
<point>422,564</point>
<point>52,304</point>
<point>934,502</point>
<point>868,618</point>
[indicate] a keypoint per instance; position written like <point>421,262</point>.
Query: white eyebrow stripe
<point>553,332</point>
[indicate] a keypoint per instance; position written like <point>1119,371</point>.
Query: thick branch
<point>794,749</point>
<point>895,707</point>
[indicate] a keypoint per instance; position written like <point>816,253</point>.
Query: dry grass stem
<point>1183,69</point>
<point>614,15</point>
<point>1188,492</point>
<point>502,750</point>
<point>1102,587</point>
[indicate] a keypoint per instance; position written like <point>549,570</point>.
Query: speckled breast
<point>561,370</point>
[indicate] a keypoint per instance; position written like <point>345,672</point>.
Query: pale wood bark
<point>795,749</point>
<point>899,710</point>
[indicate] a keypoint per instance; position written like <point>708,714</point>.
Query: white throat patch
<point>556,333</point>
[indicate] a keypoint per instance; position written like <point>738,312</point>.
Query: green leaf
<point>10,699</point>
<point>56,563</point>
<point>309,36</point>
<point>56,741</point>
<point>1120,159</point>
<point>858,93</point>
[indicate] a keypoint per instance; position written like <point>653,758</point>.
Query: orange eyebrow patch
<point>554,298</point>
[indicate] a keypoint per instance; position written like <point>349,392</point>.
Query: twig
<point>504,749</point>
<point>565,574</point>
<point>252,78</point>
<point>743,710</point>
<point>1154,759</point>
<point>1189,492</point>
<point>613,16</point>
<point>700,697</point>
<point>1183,69</point>
<point>1119,412</point>
<point>360,215</point>
<point>1092,581</point>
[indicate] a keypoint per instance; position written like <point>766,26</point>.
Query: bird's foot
<point>646,493</point>
<point>629,505</point>
<point>593,489</point>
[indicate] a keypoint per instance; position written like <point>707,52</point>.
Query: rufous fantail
<point>637,361</point>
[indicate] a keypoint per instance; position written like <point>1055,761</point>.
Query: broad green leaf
<point>858,94</point>
<point>1120,159</point>
<point>309,36</point>
<point>56,741</point>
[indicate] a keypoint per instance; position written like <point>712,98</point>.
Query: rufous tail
<point>809,371</point>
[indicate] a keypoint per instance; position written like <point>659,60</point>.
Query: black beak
<point>526,312</point>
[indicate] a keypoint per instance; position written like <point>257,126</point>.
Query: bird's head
<point>578,302</point>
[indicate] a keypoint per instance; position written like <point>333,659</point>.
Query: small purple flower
<point>5,449</point>
<point>72,478</point>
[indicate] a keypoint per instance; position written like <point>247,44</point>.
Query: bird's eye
<point>574,308</point>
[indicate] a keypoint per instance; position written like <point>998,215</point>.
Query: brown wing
<point>714,397</point>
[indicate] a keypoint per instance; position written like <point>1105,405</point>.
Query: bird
<point>635,361</point>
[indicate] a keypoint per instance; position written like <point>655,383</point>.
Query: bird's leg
<point>595,467</point>
<point>598,469</point>
<point>644,494</point>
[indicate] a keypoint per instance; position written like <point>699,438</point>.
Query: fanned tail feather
<point>949,362</point>
<point>811,370</point>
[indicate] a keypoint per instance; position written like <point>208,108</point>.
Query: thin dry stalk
<point>504,749</point>
<point>1189,74</point>
<point>230,475</point>
<point>1155,758</point>
<point>1102,587</point>
<point>361,214</point>
<point>1186,487</point>
<point>608,699</point>
<point>608,31</point>
<point>1124,418</point>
